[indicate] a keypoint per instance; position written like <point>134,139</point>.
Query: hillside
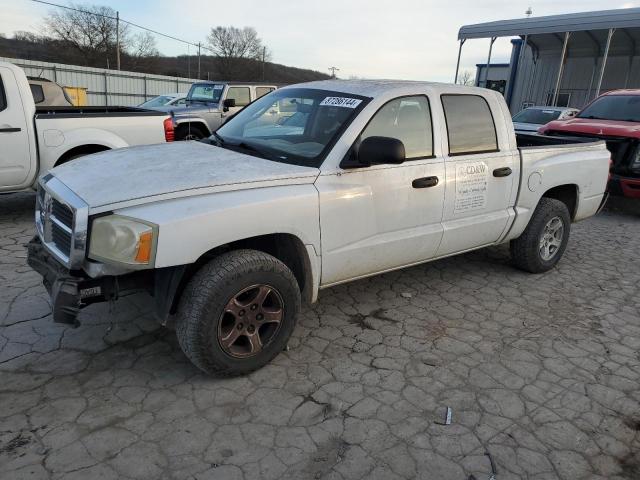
<point>182,66</point>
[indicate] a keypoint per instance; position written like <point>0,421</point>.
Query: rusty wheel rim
<point>250,321</point>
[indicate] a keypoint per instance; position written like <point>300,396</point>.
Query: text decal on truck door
<point>472,179</point>
<point>340,102</point>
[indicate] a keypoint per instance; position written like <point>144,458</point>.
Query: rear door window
<point>470,125</point>
<point>37,92</point>
<point>3,97</point>
<point>262,91</point>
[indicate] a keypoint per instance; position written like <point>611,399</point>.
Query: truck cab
<point>210,104</point>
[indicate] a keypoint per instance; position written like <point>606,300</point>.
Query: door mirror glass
<point>380,150</point>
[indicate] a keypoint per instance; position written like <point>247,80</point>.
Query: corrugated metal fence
<point>105,87</point>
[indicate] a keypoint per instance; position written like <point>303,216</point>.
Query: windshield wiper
<point>250,148</point>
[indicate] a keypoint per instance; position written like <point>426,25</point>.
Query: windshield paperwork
<point>205,92</point>
<point>536,116</point>
<point>625,108</point>
<point>295,125</point>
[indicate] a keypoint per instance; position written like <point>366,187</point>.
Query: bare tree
<point>24,36</point>
<point>143,45</point>
<point>89,29</point>
<point>143,52</point>
<point>466,78</point>
<point>230,44</point>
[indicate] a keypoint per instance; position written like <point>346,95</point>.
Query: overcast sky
<point>408,39</point>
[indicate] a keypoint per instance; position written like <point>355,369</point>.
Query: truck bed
<point>83,112</point>
<point>529,140</point>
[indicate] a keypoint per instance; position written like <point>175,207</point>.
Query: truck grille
<point>61,220</point>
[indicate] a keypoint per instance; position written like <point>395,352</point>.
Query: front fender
<point>193,120</point>
<point>190,227</point>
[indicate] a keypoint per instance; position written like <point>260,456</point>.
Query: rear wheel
<point>237,312</point>
<point>189,132</point>
<point>544,241</point>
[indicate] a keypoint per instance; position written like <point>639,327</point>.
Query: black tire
<point>202,310</point>
<point>526,249</point>
<point>186,132</point>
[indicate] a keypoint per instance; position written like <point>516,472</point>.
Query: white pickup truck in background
<point>33,140</point>
<point>376,175</point>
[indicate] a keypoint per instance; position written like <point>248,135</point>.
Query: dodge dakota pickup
<point>231,235</point>
<point>35,139</point>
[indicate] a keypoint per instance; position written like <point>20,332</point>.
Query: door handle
<point>502,172</point>
<point>9,129</point>
<point>425,182</point>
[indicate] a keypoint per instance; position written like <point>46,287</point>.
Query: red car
<point>614,117</point>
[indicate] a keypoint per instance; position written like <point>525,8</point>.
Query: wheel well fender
<point>567,194</point>
<point>193,123</point>
<point>80,151</point>
<point>289,249</point>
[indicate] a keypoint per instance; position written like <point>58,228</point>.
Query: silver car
<point>209,104</point>
<point>532,118</point>
<point>166,100</point>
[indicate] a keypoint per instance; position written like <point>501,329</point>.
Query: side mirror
<point>380,150</point>
<point>228,103</point>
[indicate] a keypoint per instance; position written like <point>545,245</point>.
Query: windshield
<point>205,92</point>
<point>157,102</point>
<point>293,125</point>
<point>624,108</point>
<point>538,116</point>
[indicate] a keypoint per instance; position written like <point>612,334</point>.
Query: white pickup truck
<point>230,236</point>
<point>33,140</point>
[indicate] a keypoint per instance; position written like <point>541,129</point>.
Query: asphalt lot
<point>540,371</point>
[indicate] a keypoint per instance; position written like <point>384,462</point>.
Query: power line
<point>127,22</point>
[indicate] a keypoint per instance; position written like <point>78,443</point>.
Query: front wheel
<point>237,312</point>
<point>545,239</point>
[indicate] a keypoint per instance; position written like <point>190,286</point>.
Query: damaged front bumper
<point>72,290</point>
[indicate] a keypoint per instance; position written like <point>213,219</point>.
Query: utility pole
<point>264,57</point>
<point>118,39</point>
<point>198,60</point>
<point>333,71</point>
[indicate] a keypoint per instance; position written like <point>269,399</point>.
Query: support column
<point>199,61</point>
<point>561,69</point>
<point>604,60</point>
<point>486,75</point>
<point>118,39</point>
<point>455,80</point>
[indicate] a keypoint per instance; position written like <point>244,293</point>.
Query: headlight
<point>125,240</point>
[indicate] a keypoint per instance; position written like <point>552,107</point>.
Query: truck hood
<point>595,127</point>
<point>137,175</point>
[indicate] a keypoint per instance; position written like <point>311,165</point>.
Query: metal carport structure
<point>588,37</point>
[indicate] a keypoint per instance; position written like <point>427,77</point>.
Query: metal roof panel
<point>571,22</point>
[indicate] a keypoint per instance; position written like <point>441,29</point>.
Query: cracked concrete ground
<point>540,371</point>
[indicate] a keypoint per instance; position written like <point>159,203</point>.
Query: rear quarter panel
<point>543,168</point>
